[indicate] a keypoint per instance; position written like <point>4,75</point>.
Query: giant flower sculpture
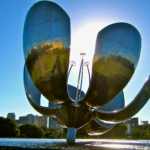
<point>46,44</point>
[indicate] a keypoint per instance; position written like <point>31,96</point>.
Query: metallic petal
<point>115,104</point>
<point>34,96</point>
<point>93,128</point>
<point>42,110</point>
<point>97,127</point>
<point>130,110</point>
<point>72,91</point>
<point>106,125</point>
<point>46,44</point>
<point>74,117</point>
<point>58,122</point>
<point>116,56</point>
<point>61,124</point>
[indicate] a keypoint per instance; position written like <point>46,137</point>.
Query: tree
<point>44,128</point>
<point>81,133</point>
<point>118,132</point>
<point>145,134</point>
<point>145,127</point>
<point>65,130</point>
<point>8,128</point>
<point>31,131</point>
<point>136,133</point>
<point>55,133</point>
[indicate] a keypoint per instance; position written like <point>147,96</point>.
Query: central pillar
<point>71,136</point>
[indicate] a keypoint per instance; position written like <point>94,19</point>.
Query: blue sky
<point>82,13</point>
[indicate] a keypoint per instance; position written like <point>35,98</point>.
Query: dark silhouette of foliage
<point>31,131</point>
<point>136,133</point>
<point>145,127</point>
<point>65,130</point>
<point>140,127</point>
<point>143,132</point>
<point>53,133</point>
<point>118,132</point>
<point>44,128</point>
<point>81,133</point>
<point>8,128</point>
<point>22,136</point>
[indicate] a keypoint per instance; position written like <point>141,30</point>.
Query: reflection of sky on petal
<point>43,101</point>
<point>104,124</point>
<point>46,24</point>
<point>31,90</point>
<point>147,78</point>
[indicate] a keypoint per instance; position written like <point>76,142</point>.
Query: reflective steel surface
<point>46,44</point>
<point>72,116</point>
<point>117,103</point>
<point>72,93</point>
<point>30,88</point>
<point>130,110</point>
<point>93,128</point>
<point>97,127</point>
<point>34,97</point>
<point>58,122</point>
<point>116,56</point>
<point>61,124</point>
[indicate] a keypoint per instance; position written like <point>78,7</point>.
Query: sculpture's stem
<point>71,135</point>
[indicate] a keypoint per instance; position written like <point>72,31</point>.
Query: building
<point>31,118</point>
<point>52,124</point>
<point>132,124</point>
<point>129,129</point>
<point>144,122</point>
<point>41,121</point>
<point>27,119</point>
<point>135,122</point>
<point>36,120</point>
<point>11,116</point>
<point>17,122</point>
<point>24,120</point>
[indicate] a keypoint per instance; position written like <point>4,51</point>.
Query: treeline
<point>143,132</point>
<point>9,129</point>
